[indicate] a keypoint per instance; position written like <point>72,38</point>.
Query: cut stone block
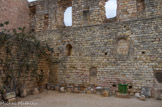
<point>35,91</point>
<point>106,93</point>
<point>11,100</point>
<point>146,91</point>
<point>137,95</point>
<point>158,93</point>
<point>57,88</point>
<point>23,93</point>
<point>143,98</point>
<point>48,87</point>
<point>99,90</point>
<point>52,87</point>
<point>76,90</point>
<point>9,95</point>
<point>70,89</point>
<point>62,90</point>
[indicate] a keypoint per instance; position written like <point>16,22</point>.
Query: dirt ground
<point>56,99</point>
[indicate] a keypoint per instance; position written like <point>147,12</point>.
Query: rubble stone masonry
<point>100,51</point>
<point>128,52</point>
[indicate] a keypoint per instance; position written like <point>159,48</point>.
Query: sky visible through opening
<point>110,8</point>
<point>68,17</point>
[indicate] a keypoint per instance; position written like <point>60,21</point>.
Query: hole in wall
<point>68,16</point>
<point>32,30</point>
<point>68,50</point>
<point>114,85</point>
<point>105,53</point>
<point>143,52</point>
<point>130,87</point>
<point>111,9</point>
<point>58,54</point>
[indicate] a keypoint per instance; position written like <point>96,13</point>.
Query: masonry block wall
<point>100,51</point>
<point>109,54</point>
<point>49,14</point>
<point>27,73</point>
<point>16,12</point>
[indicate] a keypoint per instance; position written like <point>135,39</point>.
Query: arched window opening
<point>68,50</point>
<point>68,16</point>
<point>111,9</point>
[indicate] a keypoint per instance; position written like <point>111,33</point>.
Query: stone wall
<point>108,54</point>
<point>16,12</point>
<point>28,69</point>
<point>89,12</point>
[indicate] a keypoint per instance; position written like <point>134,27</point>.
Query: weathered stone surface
<point>57,87</point>
<point>69,89</point>
<point>102,53</point>
<point>76,90</point>
<point>121,95</point>
<point>34,91</point>
<point>86,13</point>
<point>99,90</point>
<point>9,95</point>
<point>146,91</point>
<point>137,95</point>
<point>143,98</point>
<point>62,89</point>
<point>11,100</point>
<point>158,93</point>
<point>23,92</point>
<point>106,93</point>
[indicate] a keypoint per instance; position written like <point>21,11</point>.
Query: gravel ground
<point>56,99</point>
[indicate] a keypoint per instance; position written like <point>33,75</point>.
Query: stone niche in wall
<point>122,46</point>
<point>140,7</point>
<point>158,76</point>
<point>93,75</point>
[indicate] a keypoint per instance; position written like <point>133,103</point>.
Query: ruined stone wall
<point>33,72</point>
<point>49,14</point>
<point>108,54</point>
<point>16,12</point>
